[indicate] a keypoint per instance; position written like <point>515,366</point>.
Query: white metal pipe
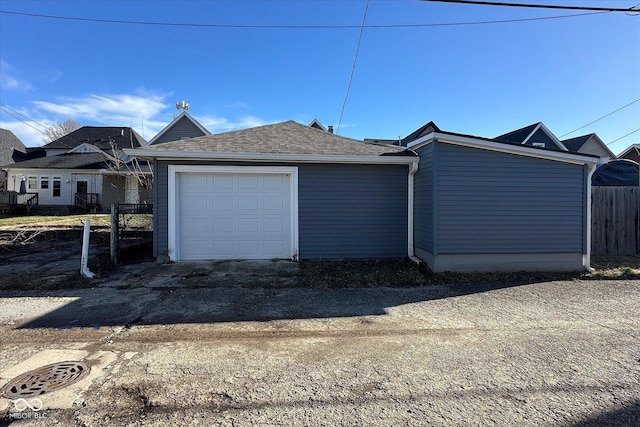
<point>85,251</point>
<point>413,169</point>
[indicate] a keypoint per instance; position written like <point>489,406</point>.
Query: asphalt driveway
<point>166,352</point>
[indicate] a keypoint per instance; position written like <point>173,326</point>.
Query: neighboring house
<point>317,125</point>
<point>85,168</point>
<point>457,202</point>
<point>631,153</point>
<point>10,145</point>
<point>183,126</point>
<point>535,135</point>
<point>589,144</point>
<point>538,135</point>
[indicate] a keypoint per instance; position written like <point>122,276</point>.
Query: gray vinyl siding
<point>344,211</point>
<point>352,211</point>
<point>182,128</point>
<point>492,202</point>
<point>423,200</point>
<point>161,209</point>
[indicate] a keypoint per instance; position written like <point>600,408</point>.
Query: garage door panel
<point>248,248</point>
<point>222,248</point>
<point>223,225</point>
<point>196,226</point>
<point>198,203</point>
<point>273,247</point>
<point>248,181</point>
<point>273,225</point>
<point>274,182</point>
<point>248,225</point>
<point>248,203</point>
<point>223,203</point>
<point>197,249</point>
<point>194,182</point>
<point>227,216</point>
<point>274,203</point>
<point>222,182</point>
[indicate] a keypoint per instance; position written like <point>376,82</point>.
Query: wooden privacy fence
<point>615,229</point>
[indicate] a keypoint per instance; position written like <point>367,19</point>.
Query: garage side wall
<point>498,211</point>
<point>344,210</point>
<point>352,211</point>
<point>423,200</point>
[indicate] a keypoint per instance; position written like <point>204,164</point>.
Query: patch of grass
<point>52,221</point>
<point>360,273</point>
<point>405,273</point>
<point>610,267</point>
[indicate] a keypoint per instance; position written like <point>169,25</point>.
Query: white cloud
<point>111,109</point>
<point>216,124</point>
<point>146,112</point>
<point>27,132</point>
<point>9,81</point>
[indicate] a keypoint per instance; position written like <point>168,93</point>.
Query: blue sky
<point>477,79</point>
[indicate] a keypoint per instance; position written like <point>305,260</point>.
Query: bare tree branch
<point>59,130</point>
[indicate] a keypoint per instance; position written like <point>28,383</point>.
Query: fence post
<point>114,234</point>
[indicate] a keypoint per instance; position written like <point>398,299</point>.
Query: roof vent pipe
<point>330,129</point>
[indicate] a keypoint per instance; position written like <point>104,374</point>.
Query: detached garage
<point>290,191</point>
<point>282,191</point>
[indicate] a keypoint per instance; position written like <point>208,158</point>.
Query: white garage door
<point>233,216</point>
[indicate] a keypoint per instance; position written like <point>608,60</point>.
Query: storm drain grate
<point>46,379</point>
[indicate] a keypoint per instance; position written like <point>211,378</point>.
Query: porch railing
<point>12,201</point>
<point>29,199</point>
<point>8,198</point>
<point>86,200</point>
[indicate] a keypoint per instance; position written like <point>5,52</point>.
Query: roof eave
<point>268,157</point>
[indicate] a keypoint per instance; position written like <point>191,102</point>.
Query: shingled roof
<point>518,135</point>
<point>281,138</point>
<point>8,143</point>
<point>99,136</point>
<point>64,161</point>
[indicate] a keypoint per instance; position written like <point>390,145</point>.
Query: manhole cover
<point>46,379</point>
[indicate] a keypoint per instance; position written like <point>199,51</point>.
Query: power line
<point>624,136</point>
<point>536,6</point>
<point>603,117</point>
<point>292,27</point>
<point>20,114</point>
<point>353,68</point>
<point>20,119</point>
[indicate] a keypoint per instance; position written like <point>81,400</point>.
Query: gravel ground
<point>542,354</point>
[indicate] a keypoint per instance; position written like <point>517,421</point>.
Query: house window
<point>56,186</point>
<point>44,182</point>
<point>32,183</point>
